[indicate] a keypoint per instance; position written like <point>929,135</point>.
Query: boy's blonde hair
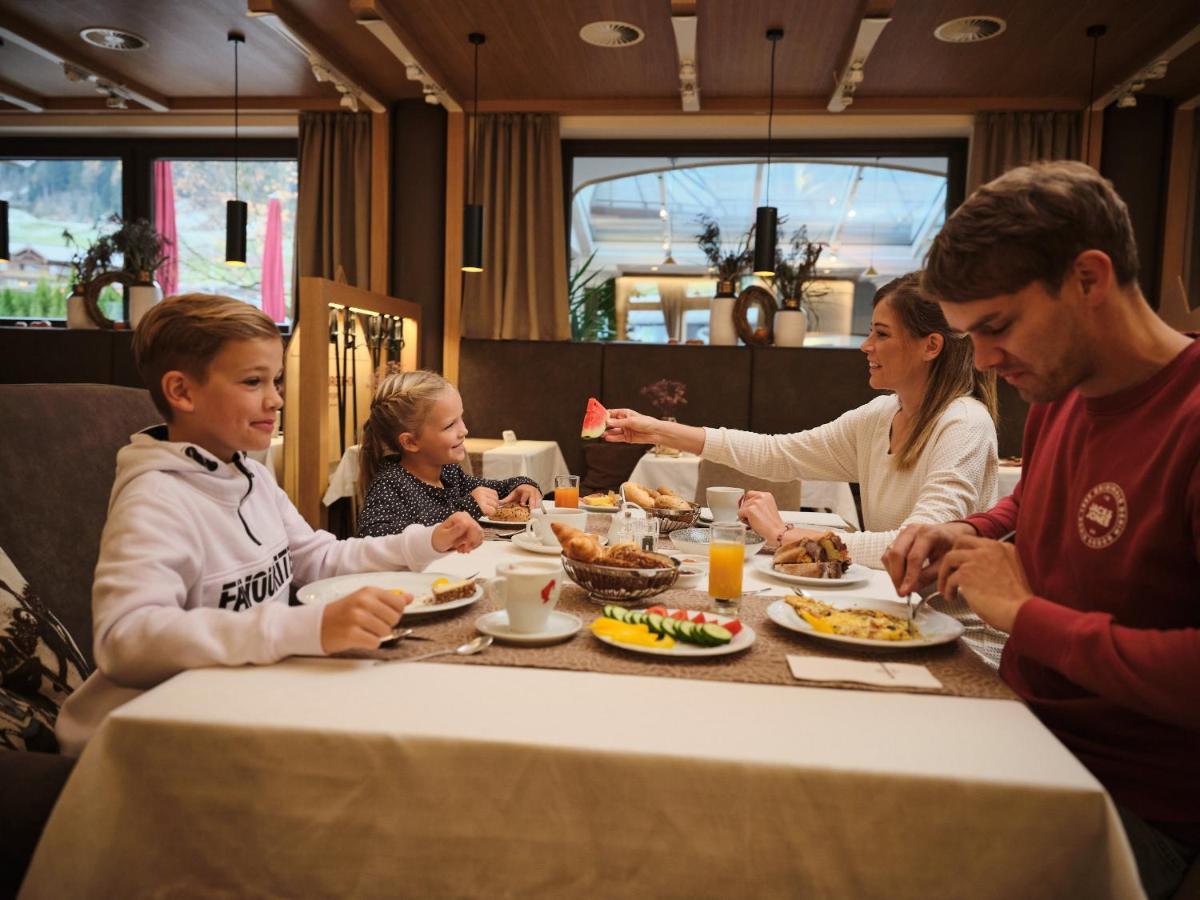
<point>185,332</point>
<point>401,404</point>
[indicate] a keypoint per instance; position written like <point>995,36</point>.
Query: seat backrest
<point>57,462</point>
<point>787,493</point>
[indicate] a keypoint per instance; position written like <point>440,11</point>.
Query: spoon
<point>401,634</point>
<point>470,648</point>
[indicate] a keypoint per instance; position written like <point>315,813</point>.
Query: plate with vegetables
<point>665,631</point>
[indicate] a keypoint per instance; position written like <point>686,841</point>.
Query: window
<point>635,209</point>
<point>56,207</point>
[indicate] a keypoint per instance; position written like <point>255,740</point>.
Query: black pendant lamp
<point>235,210</point>
<point>766,223</point>
<point>4,257</point>
<point>472,249</point>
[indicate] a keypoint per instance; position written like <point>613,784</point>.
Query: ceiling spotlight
<point>320,71</point>
<point>1126,101</point>
<point>1156,71</point>
<point>116,101</point>
<point>432,99</point>
<point>349,101</point>
<point>74,73</point>
<point>413,72</point>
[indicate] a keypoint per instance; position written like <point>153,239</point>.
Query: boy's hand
<point>525,494</point>
<point>362,619</point>
<point>487,499</point>
<point>459,532</point>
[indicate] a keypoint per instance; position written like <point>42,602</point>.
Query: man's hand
<point>913,557</point>
<point>627,426</point>
<point>362,619</point>
<point>487,499</point>
<point>525,494</point>
<point>990,576</point>
<point>459,532</point>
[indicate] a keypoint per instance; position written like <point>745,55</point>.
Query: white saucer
<point>526,541</point>
<point>559,627</point>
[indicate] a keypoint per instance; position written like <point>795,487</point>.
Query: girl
<point>413,442</point>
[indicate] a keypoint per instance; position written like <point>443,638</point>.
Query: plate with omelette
<point>882,624</point>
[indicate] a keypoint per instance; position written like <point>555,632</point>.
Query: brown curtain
<point>522,291</point>
<point>333,209</point>
<point>1004,140</point>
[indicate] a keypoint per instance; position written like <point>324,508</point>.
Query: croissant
<point>584,548</point>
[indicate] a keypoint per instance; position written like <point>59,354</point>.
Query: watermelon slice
<point>595,420</point>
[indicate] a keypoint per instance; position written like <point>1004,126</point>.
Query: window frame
<point>137,156</point>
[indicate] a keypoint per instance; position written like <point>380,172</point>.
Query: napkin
<point>877,674</point>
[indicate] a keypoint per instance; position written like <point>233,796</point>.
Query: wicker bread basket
<point>613,584</point>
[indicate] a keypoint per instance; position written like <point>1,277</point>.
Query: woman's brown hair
<point>952,373</point>
<point>401,404</point>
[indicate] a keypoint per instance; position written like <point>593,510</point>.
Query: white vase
<point>142,296</point>
<point>721,332</point>
<point>77,316</point>
<point>790,327</point>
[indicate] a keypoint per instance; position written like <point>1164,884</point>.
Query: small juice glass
<point>566,491</point>
<point>726,559</point>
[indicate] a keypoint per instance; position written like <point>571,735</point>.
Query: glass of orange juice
<point>726,559</point>
<point>566,491</point>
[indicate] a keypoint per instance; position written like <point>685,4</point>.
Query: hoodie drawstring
<point>237,461</point>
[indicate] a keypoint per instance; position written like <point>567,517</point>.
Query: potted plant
<point>729,264</point>
<point>144,250</point>
<point>592,307</point>
<point>85,266</point>
<point>795,283</point>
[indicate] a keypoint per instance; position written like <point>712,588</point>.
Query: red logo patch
<point>546,591</point>
<point>1102,516</point>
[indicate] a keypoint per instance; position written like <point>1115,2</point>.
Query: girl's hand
<point>359,621</point>
<point>488,500</point>
<point>627,426</point>
<point>759,510</point>
<point>524,494</point>
<point>459,532</point>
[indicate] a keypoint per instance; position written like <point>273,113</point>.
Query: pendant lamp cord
<point>770,120</point>
<point>1087,148</point>
<point>475,133</point>
<point>236,194</point>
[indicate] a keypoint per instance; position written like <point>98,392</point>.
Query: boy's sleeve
<point>318,554</point>
<point>143,632</point>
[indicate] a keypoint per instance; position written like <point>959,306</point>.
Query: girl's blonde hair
<point>401,404</point>
<point>952,374</point>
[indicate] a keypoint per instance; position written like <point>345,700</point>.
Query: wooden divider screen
<point>319,365</point>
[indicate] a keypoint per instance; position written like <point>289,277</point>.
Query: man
<point>1100,592</point>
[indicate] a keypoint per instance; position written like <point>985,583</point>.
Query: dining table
<point>583,769</point>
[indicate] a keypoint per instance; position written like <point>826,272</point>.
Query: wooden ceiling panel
<point>533,47</point>
<point>1044,50</point>
<point>1183,77</point>
<point>38,75</point>
<point>735,55</point>
<point>335,19</point>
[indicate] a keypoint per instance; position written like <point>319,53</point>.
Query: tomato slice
<point>699,619</point>
<point>733,625</point>
<point>660,610</point>
<point>680,614</point>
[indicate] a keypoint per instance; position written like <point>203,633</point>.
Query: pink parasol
<point>164,221</point>
<point>272,264</point>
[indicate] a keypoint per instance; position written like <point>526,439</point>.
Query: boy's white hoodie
<point>196,562</point>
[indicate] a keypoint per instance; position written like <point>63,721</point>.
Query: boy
<point>1099,594</point>
<point>200,547</point>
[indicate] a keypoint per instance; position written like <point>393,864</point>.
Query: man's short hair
<point>185,332</point>
<point>1029,225</point>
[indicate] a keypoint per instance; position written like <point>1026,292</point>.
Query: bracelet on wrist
<point>779,537</point>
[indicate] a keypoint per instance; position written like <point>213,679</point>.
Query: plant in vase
<point>87,265</point>
<point>729,264</point>
<point>796,284</point>
<point>666,396</point>
<point>144,250</point>
<point>592,307</point>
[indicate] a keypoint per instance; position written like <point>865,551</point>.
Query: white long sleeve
<point>955,476</point>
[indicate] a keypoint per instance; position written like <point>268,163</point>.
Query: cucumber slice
<point>616,612</point>
<point>687,631</point>
<point>670,627</point>
<point>610,612</point>
<point>654,623</point>
<point>717,634</point>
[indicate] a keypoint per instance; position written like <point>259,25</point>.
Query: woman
<point>926,452</point>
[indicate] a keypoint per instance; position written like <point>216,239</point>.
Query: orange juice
<point>725,570</point>
<point>566,498</point>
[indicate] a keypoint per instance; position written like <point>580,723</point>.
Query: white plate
<point>741,641</point>
<point>935,627</point>
<point>487,520</point>
<point>855,574</point>
<point>559,627</point>
<point>597,509</point>
<point>419,584</point>
<point>527,541</point>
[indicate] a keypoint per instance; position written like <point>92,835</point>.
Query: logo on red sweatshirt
<point>1103,515</point>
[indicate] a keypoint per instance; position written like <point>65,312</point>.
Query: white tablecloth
<point>539,460</point>
<point>330,778</point>
<point>682,475</point>
<point>1007,478</point>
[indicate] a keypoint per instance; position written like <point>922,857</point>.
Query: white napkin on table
<point>878,674</point>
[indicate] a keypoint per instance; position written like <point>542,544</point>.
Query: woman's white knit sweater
<point>954,476</point>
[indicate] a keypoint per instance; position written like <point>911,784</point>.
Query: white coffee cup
<point>539,525</point>
<point>529,591</point>
<point>724,501</point>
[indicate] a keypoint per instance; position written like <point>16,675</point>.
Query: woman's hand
<point>630,427</point>
<point>359,621</point>
<point>487,500</point>
<point>759,510</point>
<point>525,495</point>
<point>459,532</point>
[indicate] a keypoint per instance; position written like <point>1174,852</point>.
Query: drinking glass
<point>566,491</point>
<point>726,559</point>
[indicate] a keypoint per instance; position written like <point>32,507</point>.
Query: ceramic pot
<point>77,316</point>
<point>791,325</point>
<point>142,295</point>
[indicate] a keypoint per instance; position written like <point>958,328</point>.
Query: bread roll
<point>671,501</point>
<point>584,548</point>
<point>635,493</point>
<point>629,556</point>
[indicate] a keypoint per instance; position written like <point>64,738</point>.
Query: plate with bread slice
<point>822,561</point>
<point>513,516</point>
<point>432,592</point>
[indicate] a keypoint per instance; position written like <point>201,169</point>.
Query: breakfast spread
<point>652,498</point>
<point>823,557</point>
<point>860,623</point>
<point>661,627</point>
<point>607,498</point>
<point>584,547</point>
<point>512,513</point>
